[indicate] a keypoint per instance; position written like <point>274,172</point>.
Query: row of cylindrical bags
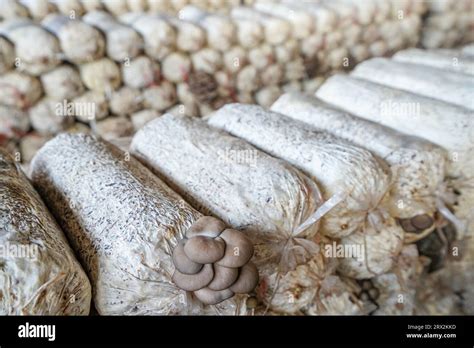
<point>446,23</point>
<point>88,66</point>
<point>347,205</point>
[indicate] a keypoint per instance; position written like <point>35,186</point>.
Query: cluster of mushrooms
<point>213,262</point>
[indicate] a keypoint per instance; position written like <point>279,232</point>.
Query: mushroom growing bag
<point>19,90</point>
<point>122,42</point>
<point>79,41</point>
<point>451,87</point>
<point>249,190</point>
<point>37,49</point>
<point>419,166</point>
<point>159,36</point>
<point>351,177</point>
<point>220,29</point>
<point>444,124</point>
<point>125,223</point>
<point>453,61</point>
<point>338,166</point>
<point>447,125</point>
<point>39,273</point>
<point>276,30</point>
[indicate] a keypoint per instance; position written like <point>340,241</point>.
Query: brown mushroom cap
<point>422,222</point>
<point>202,249</point>
<point>182,262</point>
<point>223,277</point>
<point>247,281</point>
<point>193,282</point>
<point>407,225</point>
<point>238,251</point>
<point>211,297</point>
<point>207,226</point>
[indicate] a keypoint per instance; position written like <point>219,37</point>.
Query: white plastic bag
<point>46,279</point>
<point>417,165</point>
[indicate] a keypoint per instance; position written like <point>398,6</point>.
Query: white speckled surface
<point>417,165</point>
<point>39,274</point>
<point>121,220</point>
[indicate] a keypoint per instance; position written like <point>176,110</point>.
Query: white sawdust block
<point>80,42</point>
<point>19,90</point>
<point>160,97</point>
<point>63,82</point>
<point>123,230</point>
<point>326,19</point>
<point>272,75</point>
<point>249,33</point>
<point>90,106</point>
<point>49,116</point>
<point>122,42</point>
<point>234,59</point>
<point>248,79</point>
<point>451,87</point>
<point>302,22</point>
<point>37,50</point>
<point>141,72</point>
<point>158,33</point>
<point>13,122</point>
<point>208,60</point>
<point>220,31</point>
<point>47,279</point>
<point>125,101</point>
<point>102,75</point>
<point>457,63</point>
<point>276,30</point>
<point>176,67</point>
<point>190,37</point>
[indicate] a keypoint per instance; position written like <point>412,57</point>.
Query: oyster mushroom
<point>202,249</point>
<point>182,262</point>
<point>193,282</point>
<point>223,277</point>
<point>407,225</point>
<point>416,223</point>
<point>238,251</point>
<point>422,222</point>
<point>248,279</point>
<point>207,226</point>
<point>212,297</point>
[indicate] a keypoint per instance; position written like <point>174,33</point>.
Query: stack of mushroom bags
<point>110,66</point>
<point>40,8</point>
<point>448,23</point>
<point>428,94</point>
<point>414,112</point>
